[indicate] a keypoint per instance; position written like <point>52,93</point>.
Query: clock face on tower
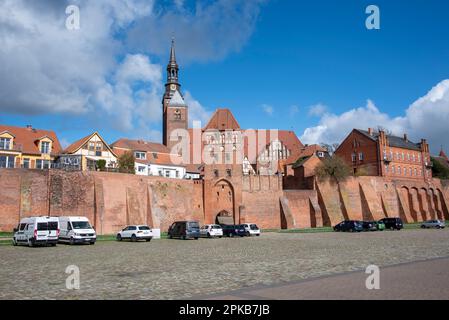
<point>173,87</point>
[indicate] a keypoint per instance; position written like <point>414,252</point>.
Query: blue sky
<point>285,57</point>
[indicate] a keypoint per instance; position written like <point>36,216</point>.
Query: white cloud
<point>317,110</point>
<point>196,111</point>
<point>269,110</point>
<point>427,117</point>
<point>92,72</point>
<point>294,110</point>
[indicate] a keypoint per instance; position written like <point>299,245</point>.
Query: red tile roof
<point>222,119</point>
<point>74,147</point>
<point>26,140</point>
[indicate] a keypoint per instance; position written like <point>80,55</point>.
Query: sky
<point>308,66</point>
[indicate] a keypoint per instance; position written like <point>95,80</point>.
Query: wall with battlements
<point>112,200</point>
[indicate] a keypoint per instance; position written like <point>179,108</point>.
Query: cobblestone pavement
<point>176,269</point>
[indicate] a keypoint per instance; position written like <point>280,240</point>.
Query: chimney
<point>405,137</point>
<point>370,131</point>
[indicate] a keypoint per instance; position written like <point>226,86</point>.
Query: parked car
<point>349,225</point>
<point>211,231</point>
<point>369,226</point>
<point>251,229</point>
<point>233,231</point>
<point>184,230</point>
<point>135,233</point>
<point>76,230</point>
<point>380,225</point>
<point>393,223</point>
<point>35,231</point>
<point>437,224</point>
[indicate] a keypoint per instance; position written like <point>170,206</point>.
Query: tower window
<point>216,173</point>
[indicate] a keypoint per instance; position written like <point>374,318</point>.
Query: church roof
<point>222,119</point>
<point>443,155</point>
<point>177,100</point>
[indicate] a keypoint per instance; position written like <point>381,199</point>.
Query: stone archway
<point>224,217</point>
<point>224,202</point>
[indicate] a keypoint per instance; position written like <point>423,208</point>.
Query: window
<point>228,172</point>
<point>419,157</point>
<point>403,156</point>
<point>7,161</point>
<point>399,170</point>
<point>411,172</point>
<point>155,155</point>
<point>177,174</point>
<point>393,170</point>
<point>5,143</point>
<point>216,173</point>
<point>26,163</point>
<point>140,155</point>
<point>416,172</point>
<point>414,158</point>
<point>160,173</point>
<point>42,164</point>
<point>91,146</point>
<point>408,156</point>
<point>141,169</point>
<point>354,157</point>
<point>167,174</point>
<point>398,156</point>
<point>361,156</point>
<point>98,149</point>
<point>386,169</point>
<point>45,147</point>
<point>320,154</point>
<point>405,171</point>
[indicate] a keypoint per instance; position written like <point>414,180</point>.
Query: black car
<point>369,226</point>
<point>233,230</point>
<point>349,225</point>
<point>393,223</point>
<point>184,230</point>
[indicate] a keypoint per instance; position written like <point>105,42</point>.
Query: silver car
<point>438,224</point>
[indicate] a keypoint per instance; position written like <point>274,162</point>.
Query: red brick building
<point>375,153</point>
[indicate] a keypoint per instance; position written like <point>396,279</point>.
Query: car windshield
<point>254,227</point>
<point>81,225</point>
<point>144,228</point>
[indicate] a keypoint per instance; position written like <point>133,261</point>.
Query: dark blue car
<point>233,230</point>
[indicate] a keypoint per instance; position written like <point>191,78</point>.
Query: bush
<point>101,165</point>
<point>126,163</point>
<point>334,168</point>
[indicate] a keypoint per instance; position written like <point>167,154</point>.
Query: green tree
<point>439,169</point>
<point>101,165</point>
<point>126,163</point>
<point>333,167</point>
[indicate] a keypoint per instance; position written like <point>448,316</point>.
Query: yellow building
<point>26,147</point>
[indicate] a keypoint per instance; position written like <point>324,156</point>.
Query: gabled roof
<point>393,141</point>
<point>222,119</point>
<point>177,100</point>
<point>26,139</point>
<point>74,147</point>
<point>140,145</point>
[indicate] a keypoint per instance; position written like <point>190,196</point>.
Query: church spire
<point>172,67</point>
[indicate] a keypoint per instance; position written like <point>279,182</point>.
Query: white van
<point>76,230</point>
<point>35,231</point>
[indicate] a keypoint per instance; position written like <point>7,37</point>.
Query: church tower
<point>175,115</point>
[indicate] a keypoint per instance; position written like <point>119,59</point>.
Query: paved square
<point>175,269</point>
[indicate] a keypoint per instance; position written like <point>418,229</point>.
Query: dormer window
<point>5,143</point>
<point>140,155</point>
<point>45,147</point>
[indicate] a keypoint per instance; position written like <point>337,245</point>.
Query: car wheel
<point>148,240</point>
<point>133,238</point>
<point>257,234</point>
<point>31,242</point>
<point>231,235</point>
<point>170,236</point>
<point>183,237</point>
<point>92,243</point>
<point>14,242</point>
<point>248,234</point>
<point>196,238</point>
<point>119,237</point>
<point>72,241</point>
<point>208,235</point>
<point>423,226</point>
